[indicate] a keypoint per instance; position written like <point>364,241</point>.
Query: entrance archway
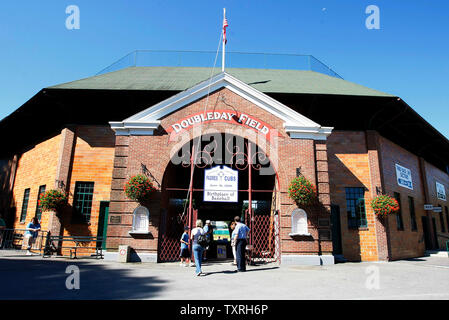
<point>183,195</point>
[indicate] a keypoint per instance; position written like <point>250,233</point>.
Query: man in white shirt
<point>241,232</point>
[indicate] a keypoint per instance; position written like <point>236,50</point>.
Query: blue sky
<point>408,56</point>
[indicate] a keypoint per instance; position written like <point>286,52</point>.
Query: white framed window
<point>141,218</point>
<point>299,223</point>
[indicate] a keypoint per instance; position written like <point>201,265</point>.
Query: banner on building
<point>404,177</point>
<point>221,184</point>
<point>441,192</point>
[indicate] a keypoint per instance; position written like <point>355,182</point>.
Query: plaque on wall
<point>115,219</point>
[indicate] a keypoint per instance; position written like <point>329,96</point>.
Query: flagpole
<point>224,45</point>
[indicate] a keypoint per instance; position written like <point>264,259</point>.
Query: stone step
<point>437,253</point>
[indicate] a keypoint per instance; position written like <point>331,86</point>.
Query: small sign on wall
<point>441,192</point>
<point>115,219</point>
<point>428,207</point>
<point>404,177</point>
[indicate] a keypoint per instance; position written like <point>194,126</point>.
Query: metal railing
<point>205,59</point>
<point>13,239</point>
<point>447,247</point>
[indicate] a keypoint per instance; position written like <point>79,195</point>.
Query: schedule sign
<point>404,177</point>
<point>221,184</point>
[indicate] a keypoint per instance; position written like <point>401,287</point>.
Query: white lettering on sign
<point>222,116</point>
<point>441,191</point>
<point>221,184</point>
<point>404,177</point>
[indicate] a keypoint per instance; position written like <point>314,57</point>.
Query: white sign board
<point>221,184</point>
<point>428,207</point>
<point>441,192</point>
<point>437,209</point>
<point>404,177</point>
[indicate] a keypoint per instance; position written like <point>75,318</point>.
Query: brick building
<point>90,136</point>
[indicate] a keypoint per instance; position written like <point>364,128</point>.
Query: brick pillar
<point>117,204</point>
<point>323,188</point>
<point>425,187</point>
<point>63,173</point>
<point>378,186</point>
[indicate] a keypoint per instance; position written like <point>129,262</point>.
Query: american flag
<point>225,24</point>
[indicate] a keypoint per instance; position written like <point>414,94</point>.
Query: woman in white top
<point>197,249</point>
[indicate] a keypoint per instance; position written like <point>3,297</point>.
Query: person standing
<point>197,248</point>
<point>185,252</point>
<point>232,226</point>
<point>208,232</point>
<point>31,233</point>
<point>241,232</point>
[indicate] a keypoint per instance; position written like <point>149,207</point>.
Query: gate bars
<point>264,244</point>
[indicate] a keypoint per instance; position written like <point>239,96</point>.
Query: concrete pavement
<point>34,277</point>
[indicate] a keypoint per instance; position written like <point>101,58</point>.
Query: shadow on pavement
<point>415,259</point>
<point>41,279</point>
<point>235,271</point>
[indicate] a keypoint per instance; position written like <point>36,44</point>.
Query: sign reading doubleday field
<point>221,184</point>
<point>226,116</point>
<point>404,177</point>
<point>441,192</point>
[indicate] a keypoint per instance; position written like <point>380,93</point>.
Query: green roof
<point>182,78</point>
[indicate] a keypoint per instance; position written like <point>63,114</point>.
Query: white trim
<point>299,234</point>
<point>148,120</point>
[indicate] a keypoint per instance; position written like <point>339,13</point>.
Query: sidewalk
<point>34,277</point>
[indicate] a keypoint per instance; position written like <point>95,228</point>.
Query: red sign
<point>227,116</point>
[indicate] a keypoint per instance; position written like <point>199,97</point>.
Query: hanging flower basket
<point>52,200</point>
<point>139,188</point>
<point>384,205</point>
<point>302,191</point>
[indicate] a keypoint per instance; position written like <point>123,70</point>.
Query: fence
<point>205,59</point>
<point>12,239</point>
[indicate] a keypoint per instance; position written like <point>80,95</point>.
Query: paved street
<point>25,277</point>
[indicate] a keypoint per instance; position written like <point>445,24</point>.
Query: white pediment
<point>148,120</point>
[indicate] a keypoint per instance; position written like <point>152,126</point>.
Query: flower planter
<point>139,188</point>
<point>53,200</point>
<point>384,206</point>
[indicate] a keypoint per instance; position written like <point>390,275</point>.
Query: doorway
<point>336,230</point>
<point>434,224</point>
<point>103,224</point>
<point>255,186</point>
<point>425,227</point>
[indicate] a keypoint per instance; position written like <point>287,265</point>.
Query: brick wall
<point>153,151</point>
<point>349,167</point>
<point>365,159</point>
<point>37,166</point>
<point>434,174</point>
<point>93,160</point>
<point>404,243</point>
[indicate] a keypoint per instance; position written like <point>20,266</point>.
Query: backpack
<point>203,240</point>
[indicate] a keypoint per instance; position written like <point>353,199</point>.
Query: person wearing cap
<point>208,231</point>
<point>185,252</point>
